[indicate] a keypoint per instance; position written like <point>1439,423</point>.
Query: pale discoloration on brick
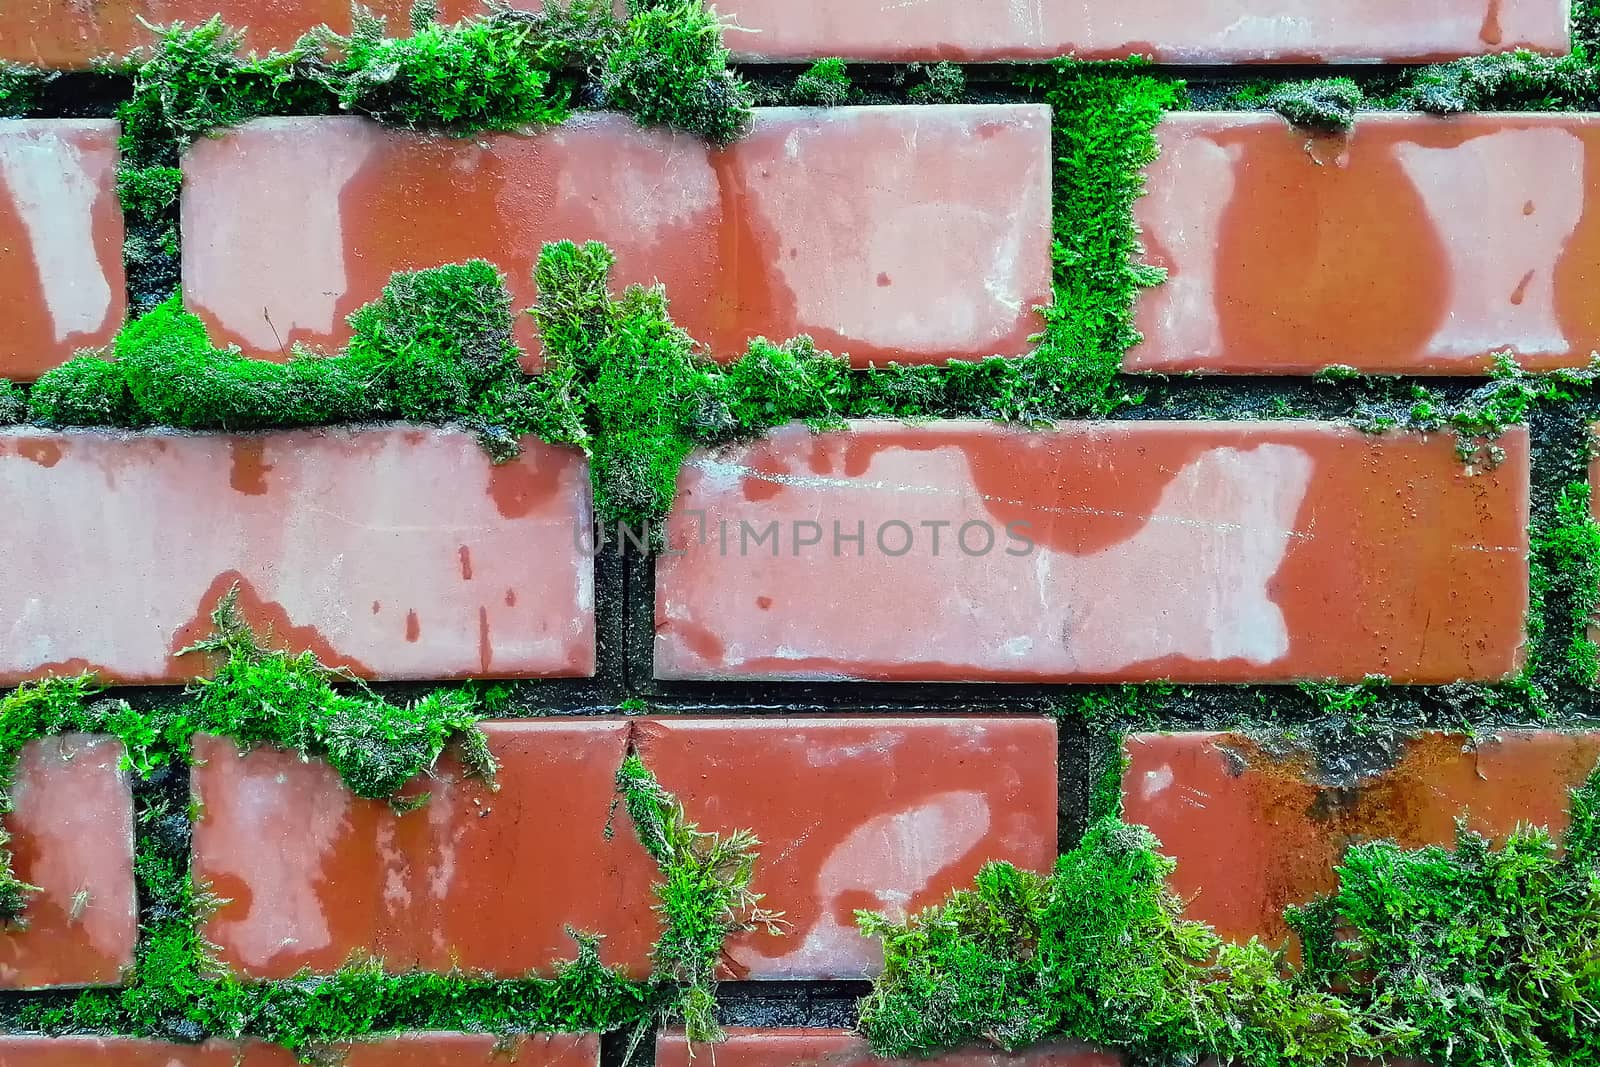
<point>72,835</point>
<point>1120,553</point>
<point>889,814</point>
<point>322,534</point>
<point>915,234</point>
<point>1409,246</point>
<point>1285,829</point>
<point>1198,31</point>
<point>60,241</point>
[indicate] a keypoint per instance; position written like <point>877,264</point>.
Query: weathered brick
<point>854,813</point>
<point>60,240</point>
<point>1412,245</point>
<point>52,34</point>
<point>395,553</point>
<point>1254,830</point>
<point>915,234</point>
<point>890,814</point>
<point>1198,31</point>
<point>487,880</point>
<point>72,837</point>
<point>404,1050</point>
<point>839,1048</point>
<point>1193,551</point>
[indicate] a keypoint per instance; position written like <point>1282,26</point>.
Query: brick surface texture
<point>313,528</point>
<point>837,224</point>
<point>748,1047</point>
<point>1412,246</point>
<point>883,813</point>
<point>1233,552</point>
<point>404,1050</point>
<point>72,837</point>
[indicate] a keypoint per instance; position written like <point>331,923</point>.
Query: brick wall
<point>894,651</point>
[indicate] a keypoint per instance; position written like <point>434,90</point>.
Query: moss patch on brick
<point>20,86</point>
<point>1454,957</point>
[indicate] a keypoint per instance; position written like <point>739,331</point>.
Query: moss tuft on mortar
<point>20,87</point>
<point>13,403</point>
<point>1471,956</point>
<point>936,83</point>
<point>704,896</point>
<point>1326,104</point>
<point>1564,587</point>
<point>826,83</point>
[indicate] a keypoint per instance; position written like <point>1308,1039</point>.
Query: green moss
<point>670,68</point>
<point>1565,590</point>
<point>1097,950</point>
<point>937,83</point>
<point>491,73</point>
<point>825,84</point>
<point>1327,104</point>
<point>704,896</point>
<point>1104,118</point>
<point>1512,81</point>
<point>1471,956</point>
<point>20,87</point>
<point>13,403</point>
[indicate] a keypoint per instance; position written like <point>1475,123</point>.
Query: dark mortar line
<point>790,1004</point>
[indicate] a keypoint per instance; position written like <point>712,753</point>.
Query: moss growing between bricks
<point>259,697</point>
<point>19,88</point>
<point>1472,956</point>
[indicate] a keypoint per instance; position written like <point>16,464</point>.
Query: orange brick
<point>72,837</point>
<point>1110,552</point>
<point>915,234</point>
<point>1411,246</point>
<point>840,1048</point>
<point>1254,831</point>
<point>60,240</point>
<point>395,553</point>
<point>886,814</point>
<point>1196,31</point>
<point>405,1050</point>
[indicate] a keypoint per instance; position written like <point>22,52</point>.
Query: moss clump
<point>1471,956</point>
<point>936,83</point>
<point>1565,589</point>
<point>704,896</point>
<point>20,87</point>
<point>1511,81</point>
<point>492,73</point>
<point>1327,104</point>
<point>1104,117</point>
<point>670,68</point>
<point>13,403</point>
<point>825,84</point>
<point>1098,951</point>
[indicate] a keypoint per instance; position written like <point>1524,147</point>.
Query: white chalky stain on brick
<point>890,857</point>
<point>882,230</point>
<point>1502,256</point>
<point>160,522</point>
<point>1157,781</point>
<point>683,190</point>
<point>71,819</point>
<point>1187,213</point>
<point>1192,581</point>
<point>295,276</point>
<point>49,178</point>
<point>252,808</point>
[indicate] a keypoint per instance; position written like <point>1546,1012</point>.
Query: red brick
<point>1412,246</point>
<point>886,814</point>
<point>60,241</point>
<point>405,1050</point>
<point>396,553</point>
<point>52,34</point>
<point>1255,830</point>
<point>72,837</point>
<point>835,223</point>
<point>840,1048</point>
<point>1200,551</point>
<point>451,1050</point>
<point>1199,31</point>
